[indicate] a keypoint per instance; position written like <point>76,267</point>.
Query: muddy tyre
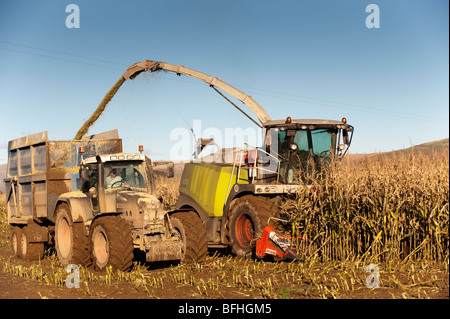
<point>111,243</point>
<point>71,241</point>
<point>192,232</point>
<point>21,245</point>
<point>15,237</point>
<point>246,221</point>
<point>30,250</point>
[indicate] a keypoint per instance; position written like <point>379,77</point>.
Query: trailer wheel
<point>21,245</point>
<point>71,241</point>
<point>192,232</point>
<point>15,238</point>
<point>111,243</point>
<point>29,250</point>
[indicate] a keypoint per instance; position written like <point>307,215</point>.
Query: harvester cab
<point>300,146</point>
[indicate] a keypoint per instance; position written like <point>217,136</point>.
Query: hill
<point>425,149</point>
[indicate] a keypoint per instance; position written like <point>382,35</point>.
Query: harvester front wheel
<point>244,225</point>
<point>246,221</point>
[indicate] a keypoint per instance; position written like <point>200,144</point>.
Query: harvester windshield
<point>320,142</point>
<point>306,146</point>
<point>304,150</point>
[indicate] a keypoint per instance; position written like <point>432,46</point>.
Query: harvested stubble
<point>380,208</point>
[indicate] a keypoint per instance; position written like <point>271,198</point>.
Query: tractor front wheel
<point>190,229</point>
<point>111,243</point>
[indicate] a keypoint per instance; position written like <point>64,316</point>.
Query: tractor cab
<point>120,171</point>
<point>102,178</point>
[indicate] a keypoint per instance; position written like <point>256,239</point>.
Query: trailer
<point>58,193</point>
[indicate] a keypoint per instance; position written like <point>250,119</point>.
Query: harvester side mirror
<point>345,137</point>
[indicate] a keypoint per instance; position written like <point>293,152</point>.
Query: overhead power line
<point>62,53</point>
<point>60,59</point>
<point>334,104</point>
<point>280,95</point>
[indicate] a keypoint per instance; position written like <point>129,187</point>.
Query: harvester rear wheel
<point>111,243</point>
<point>191,230</point>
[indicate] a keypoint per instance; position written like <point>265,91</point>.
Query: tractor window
<point>120,174</point>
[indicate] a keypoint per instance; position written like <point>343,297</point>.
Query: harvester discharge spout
<point>148,65</point>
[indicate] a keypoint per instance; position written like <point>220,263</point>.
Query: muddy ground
<point>220,277</point>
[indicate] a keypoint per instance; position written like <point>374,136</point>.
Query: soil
<point>220,277</point>
<point>194,282</point>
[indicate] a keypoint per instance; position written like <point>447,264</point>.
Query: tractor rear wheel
<point>111,243</point>
<point>71,241</point>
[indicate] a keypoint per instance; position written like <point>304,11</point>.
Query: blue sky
<point>304,59</point>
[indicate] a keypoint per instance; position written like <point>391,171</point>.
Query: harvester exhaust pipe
<point>101,185</point>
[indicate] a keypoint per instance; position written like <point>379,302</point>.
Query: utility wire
<point>61,59</point>
<point>285,96</point>
<point>62,53</point>
<point>331,103</point>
